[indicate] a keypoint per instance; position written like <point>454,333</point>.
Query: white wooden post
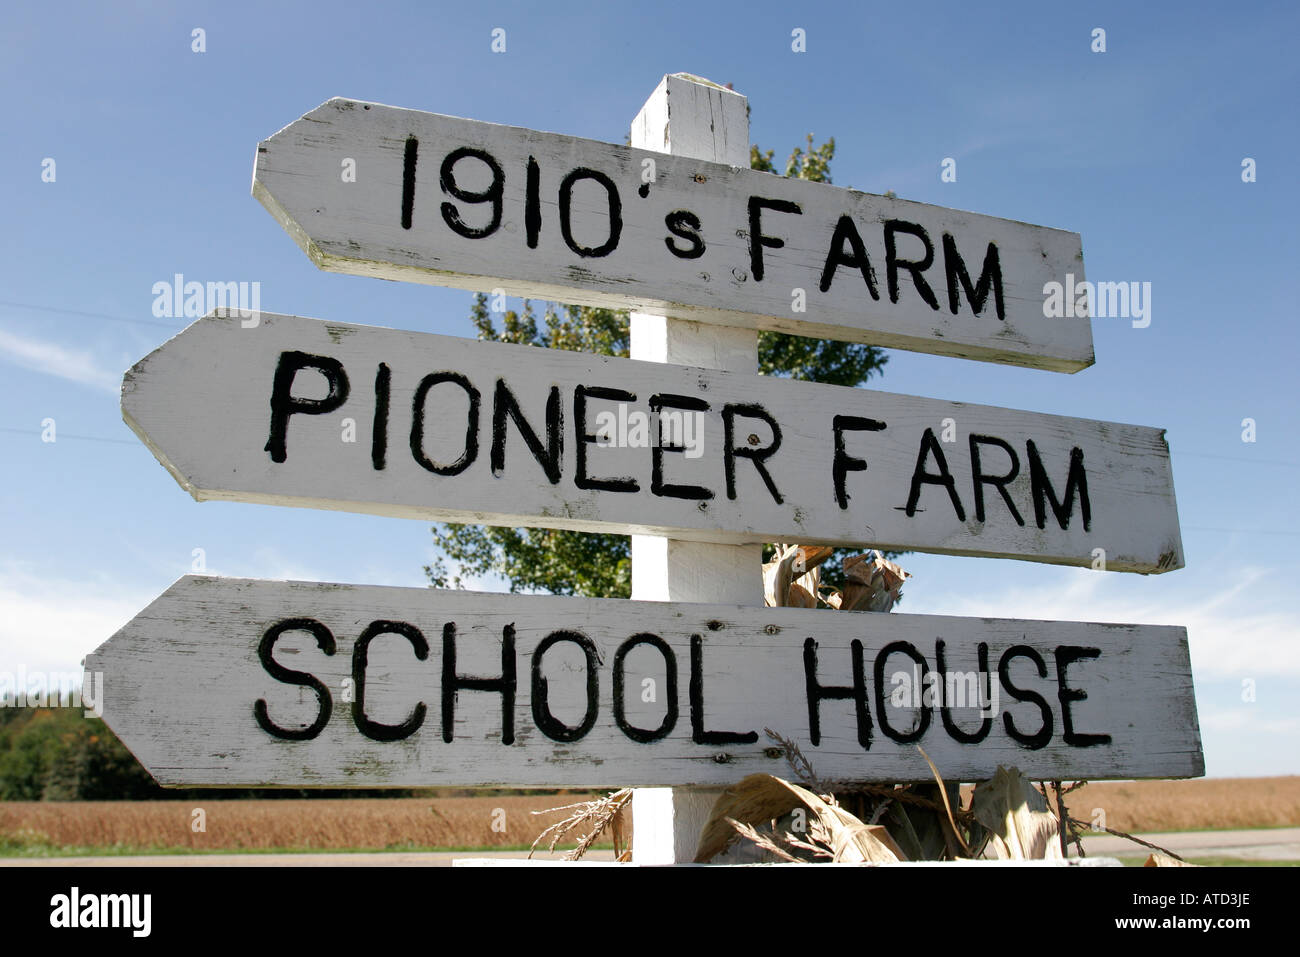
<point>689,116</point>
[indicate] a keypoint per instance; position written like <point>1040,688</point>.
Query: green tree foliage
<point>600,565</point>
<point>56,754</point>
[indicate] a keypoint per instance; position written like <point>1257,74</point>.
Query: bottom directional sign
<point>238,682</point>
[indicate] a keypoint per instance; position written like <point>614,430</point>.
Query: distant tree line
<point>56,754</point>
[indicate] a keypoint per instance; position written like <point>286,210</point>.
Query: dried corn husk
<point>793,580</point>
<point>778,575</point>
<point>873,583</point>
<point>1014,812</point>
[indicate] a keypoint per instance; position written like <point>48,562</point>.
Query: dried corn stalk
<point>606,812</point>
<point>793,824</point>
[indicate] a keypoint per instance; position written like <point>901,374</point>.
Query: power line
<point>1237,458</point>
<point>172,325</point>
<point>87,315</point>
<point>65,435</point>
<point>1240,531</point>
<point>1186,528</point>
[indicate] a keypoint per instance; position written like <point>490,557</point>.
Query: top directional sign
<point>399,194</point>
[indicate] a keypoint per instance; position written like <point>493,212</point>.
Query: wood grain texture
<point>390,223</point>
<point>182,679</point>
<point>202,403</point>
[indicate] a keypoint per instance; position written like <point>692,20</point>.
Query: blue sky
<point>1139,149</point>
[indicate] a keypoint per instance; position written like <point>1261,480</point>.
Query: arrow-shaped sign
<point>243,683</point>
<point>399,194</point>
<point>304,412</point>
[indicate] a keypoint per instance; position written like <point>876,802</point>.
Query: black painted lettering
<point>930,447</point>
<point>913,266</point>
<point>855,257</point>
<point>1076,482</point>
<point>548,723</point>
<point>882,661</point>
<point>758,454</point>
<point>585,438</point>
<point>452,683</point>
<point>670,688</point>
<point>409,158</point>
<point>945,706</point>
<point>817,692</point>
<point>285,404</point>
<point>374,730</point>
<point>978,294</point>
<point>756,238</point>
<point>471,423</point>
<point>683,405</point>
<point>494,193</point>
<point>566,212</point>
<point>698,734</point>
<point>843,463</point>
<point>1043,735</point>
<point>1067,655</point>
<point>265,654</point>
<point>532,203</point>
<point>379,429</point>
<point>550,457</point>
<point>684,224</point>
<point>979,478</point>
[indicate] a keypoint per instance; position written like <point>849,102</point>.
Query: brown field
<point>375,823</point>
<point>1219,804</point>
<point>467,822</point>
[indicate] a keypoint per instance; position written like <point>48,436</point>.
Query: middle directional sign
<point>400,194</point>
<point>294,411</point>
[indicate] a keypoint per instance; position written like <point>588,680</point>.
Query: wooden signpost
<point>414,425</point>
<point>693,118</point>
<point>232,682</point>
<point>237,682</point>
<point>474,205</point>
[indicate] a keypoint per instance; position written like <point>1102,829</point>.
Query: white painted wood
<point>201,402</point>
<point>358,228</point>
<point>695,118</point>
<point>670,569</point>
<point>182,679</point>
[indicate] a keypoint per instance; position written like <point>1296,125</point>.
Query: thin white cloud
<point>52,359</point>
<point>1244,719</point>
<point>51,624</point>
<point>266,562</point>
<point>1236,627</point>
